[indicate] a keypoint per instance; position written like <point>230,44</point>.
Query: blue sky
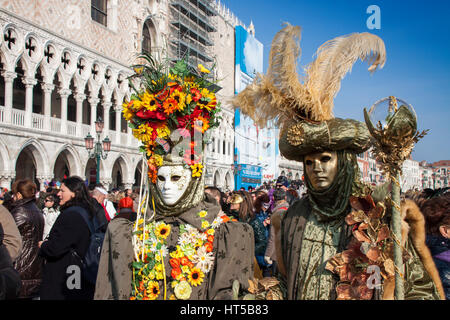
<point>417,70</point>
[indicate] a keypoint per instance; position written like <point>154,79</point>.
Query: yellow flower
<point>149,101</point>
<point>205,224</point>
<point>172,297</point>
<point>173,77</point>
<point>202,214</point>
<point>177,253</point>
<point>180,98</point>
<point>197,170</point>
<point>163,132</point>
<point>210,232</point>
<point>157,160</point>
<point>143,133</point>
<point>153,290</point>
<point>195,277</point>
<point>158,267</point>
<point>188,99</point>
<point>185,269</point>
<point>162,231</point>
<point>127,114</point>
<point>203,69</point>
<point>183,290</point>
<point>138,70</point>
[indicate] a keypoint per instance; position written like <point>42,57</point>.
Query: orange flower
<point>225,218</point>
<point>203,126</point>
<point>209,247</point>
<point>196,95</point>
<point>184,261</point>
<point>211,239</point>
<point>175,263</point>
<point>170,105</point>
<point>176,272</point>
<point>152,173</point>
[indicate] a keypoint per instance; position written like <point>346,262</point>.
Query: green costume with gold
<point>317,229</point>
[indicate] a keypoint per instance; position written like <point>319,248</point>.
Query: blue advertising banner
<point>249,175</point>
<point>249,62</point>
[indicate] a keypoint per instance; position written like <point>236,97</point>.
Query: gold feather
<point>333,60</point>
<point>279,96</point>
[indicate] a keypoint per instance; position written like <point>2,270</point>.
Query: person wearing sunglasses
<point>50,212</point>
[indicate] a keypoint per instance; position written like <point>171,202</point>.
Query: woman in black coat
<point>30,222</point>
<point>68,240</point>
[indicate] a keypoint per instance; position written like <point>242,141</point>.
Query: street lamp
<point>100,149</point>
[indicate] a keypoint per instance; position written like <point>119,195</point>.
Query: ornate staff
<point>393,140</point>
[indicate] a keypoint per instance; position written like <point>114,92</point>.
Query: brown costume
<point>232,243</point>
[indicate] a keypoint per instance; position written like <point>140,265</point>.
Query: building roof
<point>441,163</point>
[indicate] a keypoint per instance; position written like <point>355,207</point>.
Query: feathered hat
<point>303,110</point>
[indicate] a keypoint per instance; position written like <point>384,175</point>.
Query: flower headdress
<point>170,112</point>
<point>303,111</point>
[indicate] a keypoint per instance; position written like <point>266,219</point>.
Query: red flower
<point>196,95</point>
<point>145,114</point>
<point>183,121</point>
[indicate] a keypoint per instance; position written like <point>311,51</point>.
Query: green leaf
<point>138,265</point>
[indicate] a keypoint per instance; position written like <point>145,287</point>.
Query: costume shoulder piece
<point>303,111</point>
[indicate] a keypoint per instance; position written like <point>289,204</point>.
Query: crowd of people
<point>41,233</point>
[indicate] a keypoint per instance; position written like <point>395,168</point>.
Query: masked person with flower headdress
<point>333,237</point>
<point>181,246</point>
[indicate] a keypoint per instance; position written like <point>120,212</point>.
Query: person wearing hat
<point>314,230</point>
<point>181,245</point>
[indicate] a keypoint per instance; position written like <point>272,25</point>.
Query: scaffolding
<point>191,25</point>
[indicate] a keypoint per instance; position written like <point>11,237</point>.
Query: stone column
<point>118,110</point>
<point>93,102</point>
<point>9,79</point>
<point>106,106</point>
<point>29,84</point>
<point>80,97</point>
<point>64,94</point>
<point>47,88</point>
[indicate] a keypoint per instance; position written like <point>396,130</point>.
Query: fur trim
<point>413,224</point>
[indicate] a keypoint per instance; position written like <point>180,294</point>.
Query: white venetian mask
<point>172,182</point>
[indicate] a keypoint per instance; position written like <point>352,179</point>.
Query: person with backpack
<point>70,245</point>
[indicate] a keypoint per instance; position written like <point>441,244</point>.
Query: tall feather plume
<point>334,59</point>
<point>279,95</point>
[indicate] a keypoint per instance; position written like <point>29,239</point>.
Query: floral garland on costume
<point>191,259</point>
<point>180,100</point>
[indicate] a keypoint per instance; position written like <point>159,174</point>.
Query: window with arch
<point>99,11</point>
<point>147,36</point>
